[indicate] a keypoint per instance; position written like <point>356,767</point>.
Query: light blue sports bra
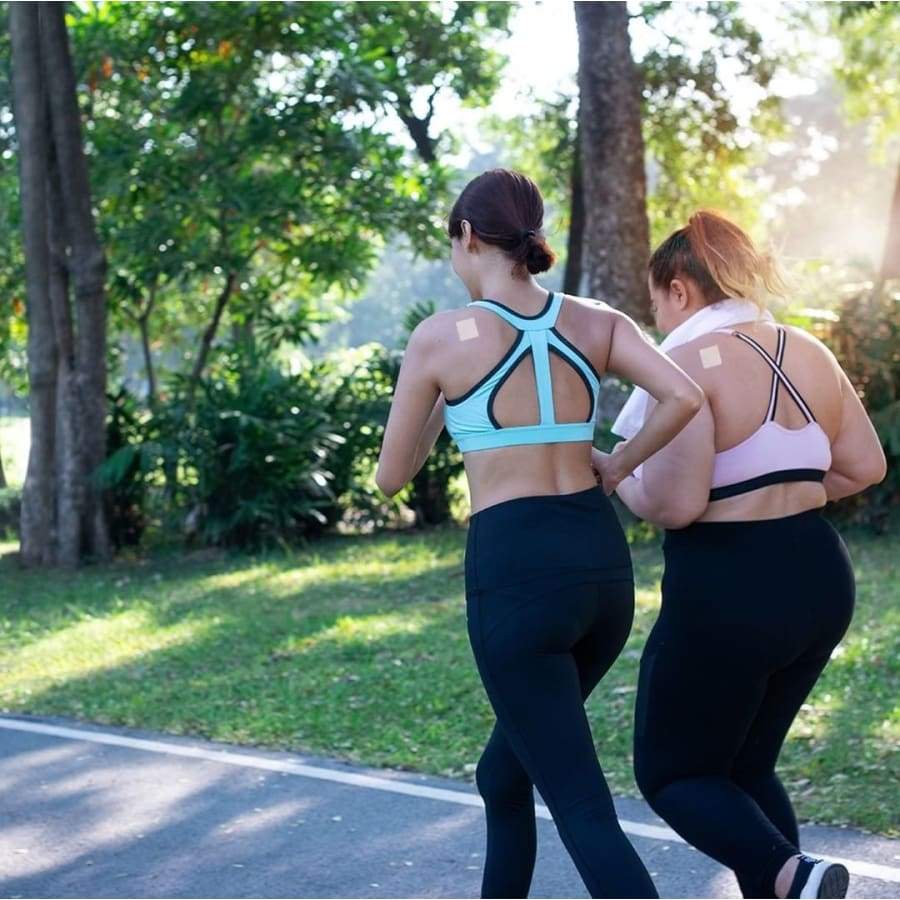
<point>470,418</point>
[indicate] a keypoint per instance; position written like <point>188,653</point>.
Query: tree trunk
<point>210,333</point>
<point>617,242</point>
<point>69,449</point>
<point>62,512</point>
<point>890,262</point>
<point>38,532</point>
<point>86,268</point>
<point>575,249</point>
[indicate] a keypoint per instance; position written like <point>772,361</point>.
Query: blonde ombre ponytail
<point>721,259</point>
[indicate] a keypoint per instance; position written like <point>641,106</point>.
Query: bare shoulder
<point>588,306</point>
<point>588,302</point>
<point>809,341</point>
<point>698,356</point>
<point>436,328</point>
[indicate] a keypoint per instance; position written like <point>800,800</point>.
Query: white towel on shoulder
<point>723,314</point>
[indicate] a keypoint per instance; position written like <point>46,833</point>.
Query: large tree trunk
<point>69,455</point>
<point>86,264</point>
<point>38,520</point>
<point>62,511</point>
<point>617,242</point>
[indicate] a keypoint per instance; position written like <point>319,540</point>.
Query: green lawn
<point>357,648</point>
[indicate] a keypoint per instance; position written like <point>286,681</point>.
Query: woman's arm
<point>673,489</point>
<point>678,397</point>
<point>430,433</point>
<point>413,414</point>
<point>857,458</point>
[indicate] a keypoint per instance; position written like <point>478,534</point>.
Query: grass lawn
<point>357,648</point>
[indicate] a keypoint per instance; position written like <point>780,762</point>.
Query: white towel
<point>723,314</point>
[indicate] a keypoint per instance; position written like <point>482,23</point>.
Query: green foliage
<point>378,314</point>
<point>264,457</point>
<point>863,331</point>
<point>256,454</point>
<point>541,142</point>
<point>865,340</point>
<point>359,389</point>
<point>869,68</point>
<point>700,152</point>
<point>245,464</point>
<point>256,144</point>
<point>131,457</point>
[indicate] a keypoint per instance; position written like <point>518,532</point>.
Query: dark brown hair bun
<point>505,209</point>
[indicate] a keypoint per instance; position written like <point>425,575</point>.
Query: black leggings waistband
<point>529,538</point>
<point>761,535</point>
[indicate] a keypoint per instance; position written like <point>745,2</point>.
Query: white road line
<point>395,786</point>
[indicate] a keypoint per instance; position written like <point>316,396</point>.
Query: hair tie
<point>529,233</point>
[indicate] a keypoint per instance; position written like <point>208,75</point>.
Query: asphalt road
<point>100,812</point>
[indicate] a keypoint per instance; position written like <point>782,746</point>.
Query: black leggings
<point>549,600</point>
<point>750,614</point>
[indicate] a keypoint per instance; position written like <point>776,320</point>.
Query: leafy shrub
<point>245,463</point>
<point>863,332</point>
<point>256,454</point>
<point>260,456</point>
<point>360,383</point>
<point>125,475</point>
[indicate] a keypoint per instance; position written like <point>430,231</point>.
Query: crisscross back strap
<point>778,375</point>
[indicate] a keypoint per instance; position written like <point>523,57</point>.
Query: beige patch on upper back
<point>467,329</point>
<point>710,357</point>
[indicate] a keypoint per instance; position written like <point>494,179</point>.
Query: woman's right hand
<point>607,469</point>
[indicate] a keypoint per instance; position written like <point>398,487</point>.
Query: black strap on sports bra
<point>778,378</point>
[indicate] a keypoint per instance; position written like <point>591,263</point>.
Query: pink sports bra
<point>773,454</point>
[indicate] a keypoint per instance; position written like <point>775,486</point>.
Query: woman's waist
<point>762,540</point>
<point>507,474</point>
<point>769,503</point>
<point>527,537</point>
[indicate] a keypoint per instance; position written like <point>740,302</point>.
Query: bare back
<point>471,343</point>
<point>739,389</point>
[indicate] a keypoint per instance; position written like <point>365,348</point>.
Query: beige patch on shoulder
<point>710,357</point>
<point>467,329</point>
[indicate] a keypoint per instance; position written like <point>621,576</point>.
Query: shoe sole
<point>834,882</point>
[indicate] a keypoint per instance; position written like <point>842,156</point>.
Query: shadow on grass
<point>304,650</point>
<point>311,667</point>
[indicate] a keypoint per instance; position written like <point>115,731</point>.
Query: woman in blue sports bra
<point>515,377</point>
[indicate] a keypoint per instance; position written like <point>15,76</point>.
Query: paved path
<point>93,812</point>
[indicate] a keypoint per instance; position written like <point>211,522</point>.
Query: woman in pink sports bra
<point>758,587</point>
